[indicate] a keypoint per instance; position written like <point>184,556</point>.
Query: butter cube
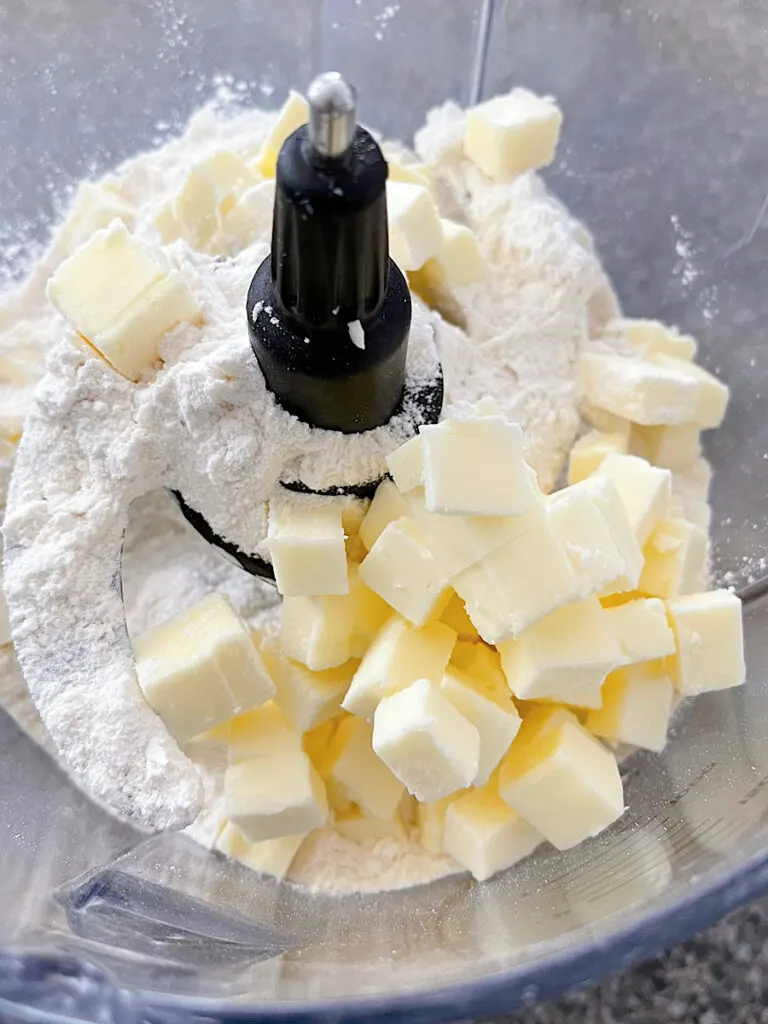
<point>564,657</point>
<point>669,447</point>
<point>388,505</point>
<point>318,632</point>
<point>458,263</point>
<point>401,570</point>
<point>363,828</point>
<point>249,220</point>
<point>415,225</point>
<point>479,661</point>
<point>413,174</point>
<point>710,642</point>
<point>484,834</point>
<point>398,656</point>
<point>639,390</point>
<point>201,668</point>
<point>455,616</point>
<point>209,192</point>
<point>475,467</point>
<point>317,741</point>
<point>370,613</point>
<point>263,732</point>
<point>603,421</point>
<point>711,394</point>
<point>272,796</point>
<point>513,134</point>
<point>430,818</point>
<point>415,228</point>
<point>364,779</point>
<point>293,114</point>
<point>306,543</point>
<point>95,206</point>
<point>590,451</point>
<point>305,697</point>
<point>425,741</point>
<point>519,583</point>
<point>456,542</point>
<point>565,784</point>
<point>271,856</point>
<point>608,500</point>
<point>405,465</point>
<point>580,525</point>
<point>539,719</point>
<point>645,490</point>
<point>637,706</point>
<point>490,709</point>
<point>652,338</point>
<point>122,297</point>
<point>675,559</point>
<point>641,628</point>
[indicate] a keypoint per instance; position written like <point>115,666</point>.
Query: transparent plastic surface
<point>663,156</point>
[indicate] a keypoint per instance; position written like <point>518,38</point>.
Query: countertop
<point>718,977</point>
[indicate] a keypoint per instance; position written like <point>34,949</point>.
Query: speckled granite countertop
<point>719,977</point>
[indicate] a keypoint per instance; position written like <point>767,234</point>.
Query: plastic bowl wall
<point>664,156</point>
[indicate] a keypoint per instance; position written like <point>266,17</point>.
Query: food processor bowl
<point>663,156</point>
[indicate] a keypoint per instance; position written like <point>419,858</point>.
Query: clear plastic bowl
<point>664,157</point>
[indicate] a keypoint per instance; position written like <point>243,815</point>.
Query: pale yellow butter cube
<point>564,783</point>
<point>249,220</point>
<point>165,223</point>
<point>645,490</point>
<point>413,174</point>
<point>201,668</point>
<point>589,452</point>
<point>405,465</point>
<point>520,582</point>
<point>292,115</point>
<point>512,134</point>
<point>711,394</point>
<point>122,297</point>
<point>363,828</point>
<point>539,719</point>
<point>579,523</point>
<point>415,228</point>
<point>637,706</point>
<point>307,698</point>
<point>271,856</point>
<point>484,834</point>
<point>564,657</point>
<point>431,747</point>
<point>639,390</point>
<point>398,656</point>
<point>456,542</point>
<point>209,192</point>
<point>388,505</point>
<point>608,500</point>
<point>430,818</point>
<point>273,796</point>
<point>458,263</point>
<point>603,421</point>
<point>669,447</point>
<point>306,543</point>
<point>360,775</point>
<point>95,206</point>
<point>675,559</point>
<point>262,732</point>
<point>490,709</point>
<point>318,632</point>
<point>481,662</point>
<point>641,628</point>
<point>475,467</point>
<point>710,642</point>
<point>370,612</point>
<point>652,338</point>
<point>401,570</point>
<point>455,616</point>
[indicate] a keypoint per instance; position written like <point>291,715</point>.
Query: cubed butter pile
<point>465,642</point>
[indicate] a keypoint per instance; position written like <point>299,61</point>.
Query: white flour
<point>94,443</point>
